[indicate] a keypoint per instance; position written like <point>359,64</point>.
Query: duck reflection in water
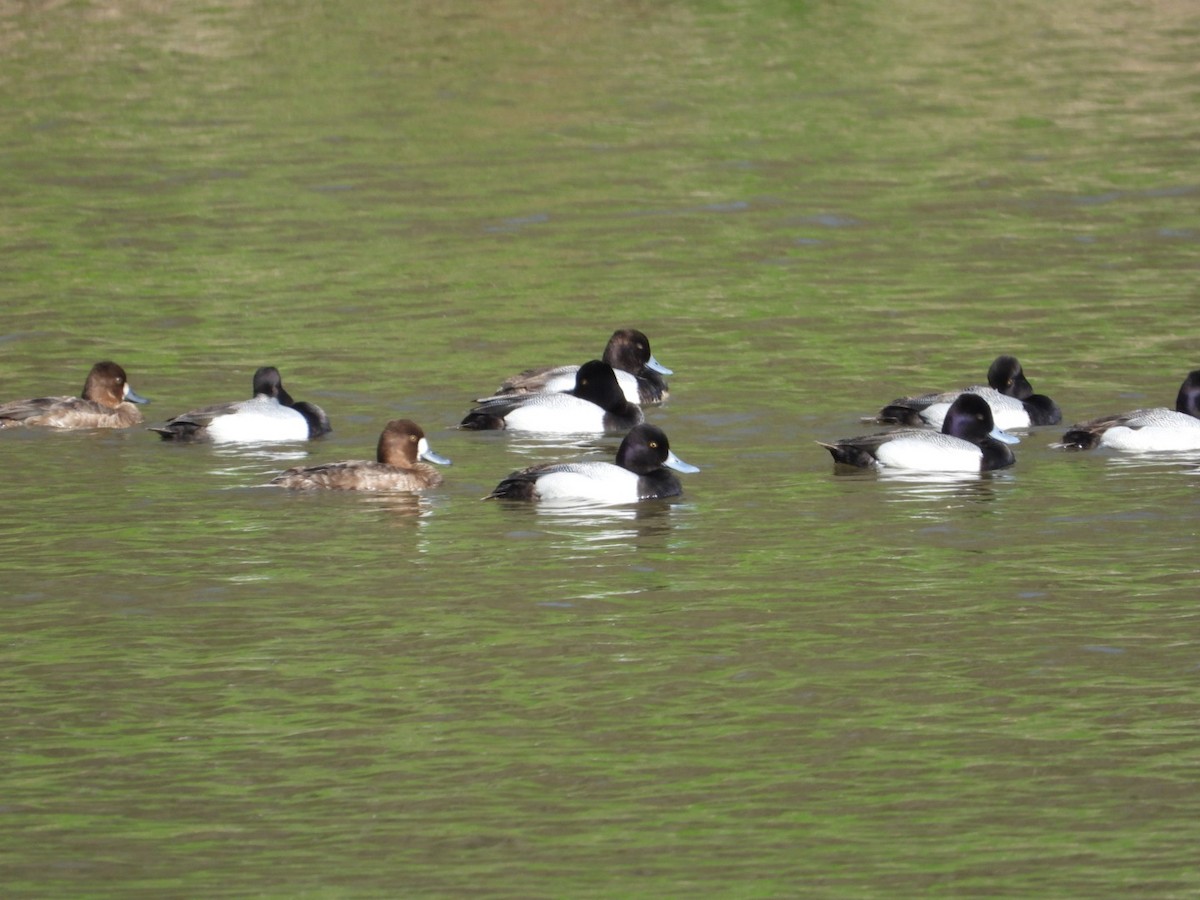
<point>593,531</point>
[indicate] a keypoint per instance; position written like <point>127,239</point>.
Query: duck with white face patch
<point>397,466</point>
<point>107,401</point>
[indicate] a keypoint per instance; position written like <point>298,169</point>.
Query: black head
<point>970,418</point>
<point>644,449</point>
<point>1006,376</point>
<point>596,382</point>
<point>1188,399</point>
<point>628,349</point>
<point>267,380</point>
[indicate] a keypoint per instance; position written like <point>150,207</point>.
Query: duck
<point>1008,392</point>
<point>396,467</point>
<point>595,405</point>
<point>1155,429</point>
<point>627,351</point>
<point>640,473</point>
<point>269,415</point>
<point>107,401</point>
<point>968,442</point>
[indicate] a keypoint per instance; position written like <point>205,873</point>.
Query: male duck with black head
<point>594,406</point>
<point>1008,392</point>
<point>270,415</point>
<point>627,351</point>
<point>968,442</point>
<point>640,473</point>
<point>1157,429</point>
<point>397,466</point>
<point>107,402</point>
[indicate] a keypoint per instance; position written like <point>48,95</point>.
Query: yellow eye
<point>654,445</point>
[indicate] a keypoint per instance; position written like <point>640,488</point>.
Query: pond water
<point>793,681</point>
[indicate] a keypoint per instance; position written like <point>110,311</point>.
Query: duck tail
<point>1078,439</point>
<point>849,455</point>
<point>482,421</point>
<point>899,413</point>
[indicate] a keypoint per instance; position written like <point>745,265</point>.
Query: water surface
<point>793,681</point>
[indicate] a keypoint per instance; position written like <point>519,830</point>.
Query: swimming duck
<point>270,415</point>
<point>968,442</point>
<point>595,405</point>
<point>1156,429</point>
<point>628,352</point>
<point>1008,393</point>
<point>640,473</point>
<point>396,467</point>
<point>107,402</point>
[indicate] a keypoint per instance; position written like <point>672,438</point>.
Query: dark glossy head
<point>646,449</point>
<point>1006,376</point>
<point>596,382</point>
<point>267,380</point>
<point>970,418</point>
<point>1188,399</point>
<point>629,350</point>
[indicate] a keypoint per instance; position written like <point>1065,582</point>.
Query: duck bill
<point>133,396</point>
<point>655,366</point>
<point>424,452</point>
<point>674,462</point>
<point>1004,437</point>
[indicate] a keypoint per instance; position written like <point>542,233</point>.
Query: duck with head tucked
<point>595,405</point>
<point>270,415</point>
<point>640,473</point>
<point>397,466</point>
<point>1008,393</point>
<point>968,442</point>
<point>628,352</point>
<point>107,402</point>
<point>1148,430</point>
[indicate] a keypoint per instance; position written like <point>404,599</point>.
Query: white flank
<point>556,414</point>
<point>1007,412</point>
<point>1156,429</point>
<point>588,482</point>
<point>259,421</point>
<point>930,453</point>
